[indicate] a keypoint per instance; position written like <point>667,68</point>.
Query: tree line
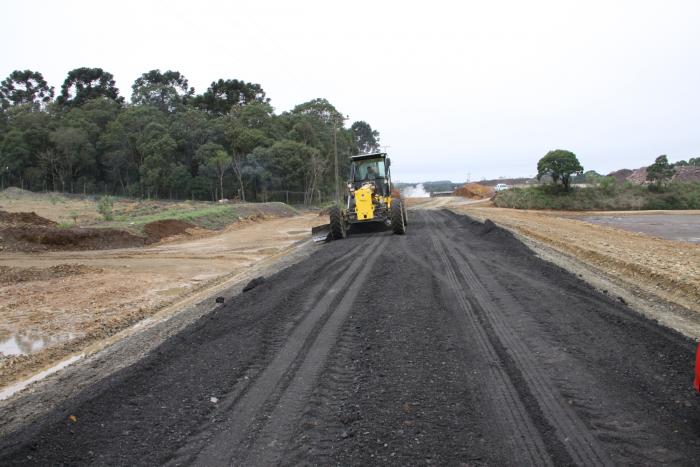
<point>562,166</point>
<point>169,142</point>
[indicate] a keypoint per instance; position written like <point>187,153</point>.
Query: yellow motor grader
<point>369,197</point>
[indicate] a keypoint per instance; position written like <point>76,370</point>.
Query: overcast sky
<point>456,89</point>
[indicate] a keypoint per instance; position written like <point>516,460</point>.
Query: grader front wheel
<point>398,222</point>
<point>338,229</point>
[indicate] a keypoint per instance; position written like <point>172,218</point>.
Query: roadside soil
<point>654,266</point>
<point>451,345</point>
<point>56,303</point>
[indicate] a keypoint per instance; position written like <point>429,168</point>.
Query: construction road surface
<point>451,345</point>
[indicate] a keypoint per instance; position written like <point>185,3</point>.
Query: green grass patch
<point>608,197</point>
<point>212,217</point>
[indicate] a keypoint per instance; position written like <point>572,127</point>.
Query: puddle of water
<point>24,344</point>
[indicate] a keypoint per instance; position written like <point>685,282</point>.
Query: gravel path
<point>451,345</point>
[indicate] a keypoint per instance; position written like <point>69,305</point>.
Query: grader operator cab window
<point>369,170</point>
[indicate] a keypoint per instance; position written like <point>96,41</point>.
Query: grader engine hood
<point>364,207</point>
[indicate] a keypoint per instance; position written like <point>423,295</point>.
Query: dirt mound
<point>638,176</point>
<point>474,191</point>
<point>621,175</point>
<point>39,238</point>
<point>24,218</point>
<point>157,230</point>
<point>14,275</point>
<point>687,173</point>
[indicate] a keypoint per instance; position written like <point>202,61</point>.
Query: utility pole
<point>335,152</point>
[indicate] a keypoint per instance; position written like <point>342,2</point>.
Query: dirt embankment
<point>26,231</point>
<point>24,218</point>
<point>34,238</point>
<point>158,230</point>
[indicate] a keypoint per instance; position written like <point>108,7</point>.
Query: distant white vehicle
<point>501,187</point>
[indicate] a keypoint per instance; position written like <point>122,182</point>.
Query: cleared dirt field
<point>451,345</point>
<point>56,303</point>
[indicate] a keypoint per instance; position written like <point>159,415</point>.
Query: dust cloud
<point>416,191</point>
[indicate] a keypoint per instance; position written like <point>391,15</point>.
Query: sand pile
<point>474,191</point>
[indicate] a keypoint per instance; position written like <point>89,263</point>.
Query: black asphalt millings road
<point>450,345</point>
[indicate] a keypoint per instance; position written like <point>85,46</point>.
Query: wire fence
<point>294,197</point>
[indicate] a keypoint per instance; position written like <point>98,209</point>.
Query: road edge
<point>128,347</point>
<point>653,307</point>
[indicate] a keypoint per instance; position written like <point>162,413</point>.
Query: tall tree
<point>289,165</point>
<point>660,171</point>
<point>15,156</point>
<point>25,87</point>
<point>366,138</point>
<point>122,142</point>
<point>220,162</point>
<point>158,150</point>
<point>560,165</point>
<point>83,84</point>
<point>224,95</point>
<point>322,110</point>
<point>243,142</point>
<point>190,128</point>
<point>256,115</point>
<point>164,90</point>
<point>213,165</point>
<point>75,155</point>
<point>26,136</point>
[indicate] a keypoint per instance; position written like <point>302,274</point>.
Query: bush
<point>606,196</point>
<point>105,207</point>
<point>608,184</point>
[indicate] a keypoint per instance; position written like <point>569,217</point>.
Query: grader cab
<point>369,197</point>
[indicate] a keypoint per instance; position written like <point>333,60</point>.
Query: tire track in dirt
<point>329,273</point>
<point>580,443</point>
<point>306,347</point>
<point>404,385</point>
<point>525,438</point>
<point>316,439</point>
<point>577,336</point>
<point>271,442</point>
